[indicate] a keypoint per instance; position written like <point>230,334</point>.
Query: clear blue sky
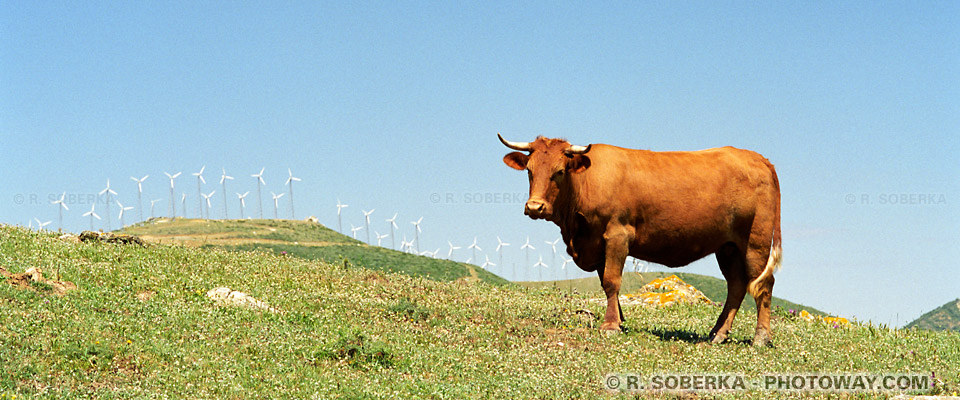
<point>389,105</point>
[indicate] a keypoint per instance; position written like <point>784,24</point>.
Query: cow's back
<point>683,205</point>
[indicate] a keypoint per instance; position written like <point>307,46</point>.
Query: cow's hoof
<point>718,338</point>
<point>610,329</point>
<point>762,339</point>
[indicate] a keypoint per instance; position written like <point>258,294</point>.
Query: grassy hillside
<point>943,318</point>
<point>713,288</point>
<point>139,325</point>
<point>306,240</point>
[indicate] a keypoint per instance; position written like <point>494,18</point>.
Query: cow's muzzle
<point>536,209</point>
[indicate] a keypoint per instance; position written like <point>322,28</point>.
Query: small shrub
<point>410,310</point>
<point>359,350</point>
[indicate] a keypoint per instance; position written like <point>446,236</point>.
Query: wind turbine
<point>404,245</point>
<point>61,206</point>
<point>553,245</point>
<point>152,202</point>
<point>289,183</point>
<point>393,224</point>
<point>487,262</point>
<point>140,193</point>
<point>40,225</point>
<point>223,185</point>
<point>540,264</point>
<point>339,221</point>
<point>242,203</point>
<point>355,229</point>
<point>276,203</point>
<point>122,209</point>
<point>475,248</point>
<point>526,246</point>
<point>173,206</point>
<point>91,214</point>
<point>500,245</point>
<point>199,176</point>
<point>366,215</point>
<point>452,248</point>
<point>417,232</point>
<point>380,237</point>
<point>260,181</point>
<point>183,203</point>
<point>108,192</point>
<point>207,198</point>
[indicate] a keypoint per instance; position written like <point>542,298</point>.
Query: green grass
<point>357,333</point>
<point>268,229</point>
<point>380,259</point>
<point>715,289</point>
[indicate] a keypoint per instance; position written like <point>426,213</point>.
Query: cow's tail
<point>774,259</point>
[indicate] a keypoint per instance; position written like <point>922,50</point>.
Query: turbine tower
<point>539,271</point>
<point>393,224</point>
<point>276,203</point>
<point>474,246</point>
<point>260,182</point>
<point>122,209</point>
<point>500,245</point>
<point>223,185</point>
<point>290,180</point>
<point>527,246</point>
<point>199,176</point>
<point>380,237</point>
<point>91,214</point>
<point>417,232</point>
<point>355,229</point>
<point>339,220</point>
<point>140,194</point>
<point>60,207</point>
<point>207,198</point>
<point>553,245</point>
<point>366,216</point>
<point>183,203</point>
<point>152,202</point>
<point>242,203</point>
<point>108,192</point>
<point>173,205</point>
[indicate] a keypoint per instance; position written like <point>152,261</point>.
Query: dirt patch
<point>32,279</point>
<point>145,295</point>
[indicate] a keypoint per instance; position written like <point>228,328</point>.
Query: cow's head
<point>549,165</point>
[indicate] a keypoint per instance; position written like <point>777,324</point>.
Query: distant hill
<point>305,240</point>
<point>714,288</point>
<point>943,318</point>
<point>317,242</point>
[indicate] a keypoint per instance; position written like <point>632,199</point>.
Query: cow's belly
<point>676,251</point>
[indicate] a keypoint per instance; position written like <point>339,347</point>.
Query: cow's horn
<point>573,149</point>
<point>521,146</point>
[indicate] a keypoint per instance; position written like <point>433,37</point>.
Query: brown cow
<point>671,208</point>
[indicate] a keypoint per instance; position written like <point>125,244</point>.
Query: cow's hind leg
<point>761,288</point>
<point>732,266</point>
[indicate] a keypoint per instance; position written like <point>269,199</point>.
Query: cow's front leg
<point>617,248</point>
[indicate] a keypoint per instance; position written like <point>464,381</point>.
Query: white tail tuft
<point>773,264</point>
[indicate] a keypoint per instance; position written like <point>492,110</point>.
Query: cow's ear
<point>578,163</point>
<point>516,160</point>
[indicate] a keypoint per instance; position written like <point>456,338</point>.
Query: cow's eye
<point>557,175</point>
